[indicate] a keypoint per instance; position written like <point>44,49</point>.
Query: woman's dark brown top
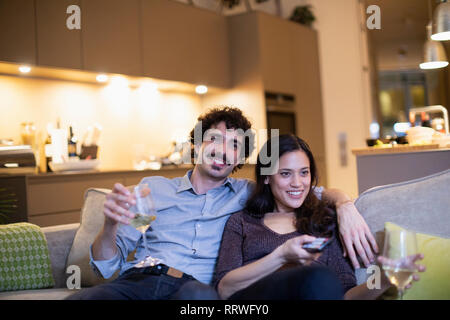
<point>246,239</point>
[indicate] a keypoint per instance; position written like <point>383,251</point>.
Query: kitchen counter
<point>49,199</point>
<point>400,148</point>
<point>381,166</point>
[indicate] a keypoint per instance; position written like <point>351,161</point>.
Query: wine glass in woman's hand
<point>399,258</point>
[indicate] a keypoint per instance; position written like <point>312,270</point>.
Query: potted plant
<point>303,15</point>
<point>8,204</point>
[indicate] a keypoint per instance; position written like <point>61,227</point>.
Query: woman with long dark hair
<point>261,255</point>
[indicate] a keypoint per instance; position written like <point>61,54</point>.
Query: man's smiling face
<point>220,151</point>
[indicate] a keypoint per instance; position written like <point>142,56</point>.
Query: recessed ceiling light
<point>24,69</point>
<point>201,89</point>
<point>102,78</point>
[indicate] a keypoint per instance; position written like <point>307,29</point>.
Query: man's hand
<point>116,206</point>
<point>355,234</point>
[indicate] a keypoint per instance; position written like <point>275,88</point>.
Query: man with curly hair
<point>191,215</point>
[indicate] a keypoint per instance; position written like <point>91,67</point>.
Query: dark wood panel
<point>276,52</point>
<point>13,199</point>
<point>58,46</point>
<point>64,195</point>
<point>55,219</point>
<point>184,43</point>
<point>17,31</point>
<point>111,36</point>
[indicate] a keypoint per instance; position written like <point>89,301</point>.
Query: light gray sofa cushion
<point>59,241</point>
<point>422,205</point>
<point>41,294</point>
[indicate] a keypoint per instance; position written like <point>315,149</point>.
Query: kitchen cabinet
<point>307,90</point>
<point>290,64</point>
<point>57,198</point>
<point>111,36</point>
<point>17,31</point>
<point>382,166</point>
<point>155,38</point>
<point>280,56</point>
<point>277,56</point>
<point>184,43</point>
<point>13,199</point>
<point>57,45</point>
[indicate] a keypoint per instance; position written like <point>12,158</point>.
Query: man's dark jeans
<point>299,283</point>
<point>135,284</point>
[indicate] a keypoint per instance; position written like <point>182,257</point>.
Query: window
<point>400,91</point>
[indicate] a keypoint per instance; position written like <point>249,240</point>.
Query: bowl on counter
<point>420,135</point>
<point>371,142</point>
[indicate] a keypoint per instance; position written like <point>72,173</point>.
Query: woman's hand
<point>408,263</point>
<point>355,234</point>
<point>292,251</point>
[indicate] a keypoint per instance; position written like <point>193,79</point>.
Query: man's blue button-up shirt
<point>188,228</point>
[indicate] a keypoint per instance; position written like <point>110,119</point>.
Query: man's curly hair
<point>234,119</point>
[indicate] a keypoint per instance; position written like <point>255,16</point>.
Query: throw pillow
<point>92,219</point>
<point>434,283</point>
<point>24,258</point>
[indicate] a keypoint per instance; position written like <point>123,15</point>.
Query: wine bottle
<point>72,143</point>
<point>48,151</point>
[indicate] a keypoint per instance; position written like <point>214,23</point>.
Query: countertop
<point>397,149</point>
<point>99,172</point>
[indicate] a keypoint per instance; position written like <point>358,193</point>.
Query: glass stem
<point>400,294</point>
<point>144,237</point>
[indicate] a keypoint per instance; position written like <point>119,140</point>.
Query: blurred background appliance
<point>17,159</point>
<point>280,112</point>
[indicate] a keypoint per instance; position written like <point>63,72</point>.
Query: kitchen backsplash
<point>133,120</point>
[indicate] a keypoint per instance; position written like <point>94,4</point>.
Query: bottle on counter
<point>47,150</point>
<point>72,144</point>
<point>59,144</point>
<point>425,117</point>
<point>28,134</point>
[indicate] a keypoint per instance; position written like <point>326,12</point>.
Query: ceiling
<point>402,19</point>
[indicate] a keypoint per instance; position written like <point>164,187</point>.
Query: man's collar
<point>186,184</point>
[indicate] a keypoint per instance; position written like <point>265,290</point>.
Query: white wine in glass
<point>145,214</point>
<point>400,246</point>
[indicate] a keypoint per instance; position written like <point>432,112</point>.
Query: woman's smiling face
<point>291,184</point>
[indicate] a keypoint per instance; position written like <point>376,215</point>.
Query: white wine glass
<point>145,214</point>
<point>400,249</point>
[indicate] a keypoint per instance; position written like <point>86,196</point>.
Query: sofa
<point>422,205</point>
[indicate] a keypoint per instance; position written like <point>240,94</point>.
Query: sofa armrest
<point>59,241</point>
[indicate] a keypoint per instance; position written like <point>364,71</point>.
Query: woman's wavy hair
<point>312,217</point>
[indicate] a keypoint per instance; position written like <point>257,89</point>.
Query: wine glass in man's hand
<point>145,214</point>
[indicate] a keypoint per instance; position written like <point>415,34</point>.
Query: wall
<point>247,92</point>
<point>347,98</point>
<point>133,120</point>
<point>345,86</point>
